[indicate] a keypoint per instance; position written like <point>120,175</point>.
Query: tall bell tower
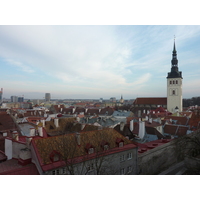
<point>174,85</point>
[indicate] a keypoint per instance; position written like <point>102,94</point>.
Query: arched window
<point>173,82</point>
<point>173,92</point>
<point>176,82</point>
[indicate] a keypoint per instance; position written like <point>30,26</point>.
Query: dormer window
<point>90,150</point>
<point>104,145</point>
<point>55,156</point>
<point>119,142</point>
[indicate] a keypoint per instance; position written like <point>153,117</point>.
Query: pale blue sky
<point>97,61</point>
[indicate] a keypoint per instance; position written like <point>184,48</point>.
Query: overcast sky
<point>97,61</point>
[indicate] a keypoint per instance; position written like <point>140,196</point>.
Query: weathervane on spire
<point>174,37</point>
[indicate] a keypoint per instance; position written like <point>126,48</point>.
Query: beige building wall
<point>174,94</point>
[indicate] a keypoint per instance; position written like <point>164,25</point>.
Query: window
<point>91,150</point>
<point>64,170</point>
<point>105,147</point>
<point>173,92</point>
<point>129,156</point>
<point>129,169</point>
<point>57,171</point>
<point>122,171</point>
<point>176,82</point>
<point>173,82</point>
<point>122,158</point>
<point>121,144</point>
<point>90,167</point>
<point>170,82</point>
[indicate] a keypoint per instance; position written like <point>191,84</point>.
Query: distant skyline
<point>92,62</point>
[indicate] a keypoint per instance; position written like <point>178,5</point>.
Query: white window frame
<point>57,171</point>
<point>122,171</point>
<point>64,170</point>
<point>121,144</point>
<point>129,169</point>
<point>90,150</point>
<point>122,158</point>
<point>129,156</point>
<point>106,147</point>
<point>90,167</point>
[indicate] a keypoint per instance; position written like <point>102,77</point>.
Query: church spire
<point>174,45</point>
<point>174,65</point>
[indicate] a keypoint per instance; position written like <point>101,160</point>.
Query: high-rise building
<point>20,99</point>
<point>47,96</point>
<point>14,99</point>
<point>174,85</point>
<point>1,95</point>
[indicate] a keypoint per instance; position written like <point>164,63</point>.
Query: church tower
<point>174,86</point>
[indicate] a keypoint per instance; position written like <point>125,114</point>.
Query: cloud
<point>94,58</point>
<point>20,65</point>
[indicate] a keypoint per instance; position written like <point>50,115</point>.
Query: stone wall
<point>161,158</point>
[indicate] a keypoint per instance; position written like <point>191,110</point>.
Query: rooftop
<point>11,167</point>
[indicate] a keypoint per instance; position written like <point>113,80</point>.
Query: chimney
<point>141,129</point>
<point>43,122</point>
<point>61,109</point>
<point>78,119</point>
<point>82,126</point>
<point>78,138</point>
<point>5,134</point>
<point>32,132</point>
<point>144,111</point>
<point>86,110</point>
<point>139,113</point>
<point>73,110</point>
<point>28,140</point>
<point>131,125</point>
<point>40,131</point>
<point>58,106</point>
<point>56,122</point>
<point>37,122</point>
<point>146,118</point>
<point>122,126</point>
<point>148,112</point>
<point>150,120</point>
<point>100,110</point>
<point>15,135</point>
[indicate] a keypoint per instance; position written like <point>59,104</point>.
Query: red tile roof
<point>6,122</point>
<point>142,148</point>
<point>43,147</point>
<point>180,120</point>
<point>12,167</point>
<point>151,101</point>
<point>175,130</point>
